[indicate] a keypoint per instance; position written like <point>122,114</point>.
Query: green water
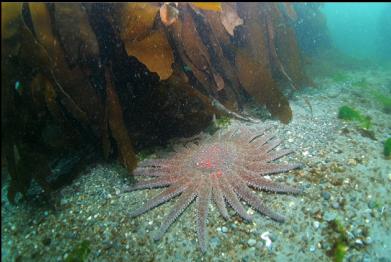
<point>361,30</point>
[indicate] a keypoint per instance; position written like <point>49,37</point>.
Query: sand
<point>346,181</point>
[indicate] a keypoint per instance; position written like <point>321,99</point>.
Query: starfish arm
<point>203,192</point>
<point>275,155</point>
<point>252,199</point>
<point>152,183</point>
<point>269,168</point>
<point>150,171</point>
<point>219,198</point>
<point>266,157</point>
<point>260,141</point>
<point>261,135</point>
<point>183,201</point>
<point>270,145</point>
<point>159,162</point>
<point>266,184</point>
<point>233,200</point>
<point>164,196</point>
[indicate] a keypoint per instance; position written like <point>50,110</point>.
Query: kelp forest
<point>86,81</point>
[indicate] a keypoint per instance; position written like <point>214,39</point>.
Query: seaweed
<point>363,83</point>
<point>80,252</point>
<point>379,96</point>
<point>223,122</point>
<point>340,77</point>
<point>340,246</point>
<point>384,100</point>
<point>218,123</point>
<point>387,148</point>
<point>351,114</point>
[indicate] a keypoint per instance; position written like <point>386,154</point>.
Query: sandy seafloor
<point>345,177</point>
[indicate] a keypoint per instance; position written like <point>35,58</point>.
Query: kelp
<point>144,40</point>
<point>20,117</point>
<point>124,76</point>
<point>254,65</point>
<point>117,126</point>
<point>286,46</point>
<point>68,79</point>
<point>78,41</point>
<point>217,62</point>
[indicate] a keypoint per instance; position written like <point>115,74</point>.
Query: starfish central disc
<point>214,158</point>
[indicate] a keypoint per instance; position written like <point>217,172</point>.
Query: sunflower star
<point>224,168</point>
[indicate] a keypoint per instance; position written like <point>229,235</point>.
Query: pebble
<point>368,240</point>
<point>335,205</point>
<point>366,258</point>
<point>357,232</point>
<point>316,224</point>
<point>214,241</point>
<point>251,242</point>
<point>312,248</point>
<point>359,242</point>
<point>326,195</point>
<point>224,229</point>
<point>329,216</point>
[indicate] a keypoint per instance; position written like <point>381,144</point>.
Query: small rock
<point>71,235</point>
<point>366,258</point>
<point>328,216</point>
<point>335,205</point>
<point>251,242</point>
<point>359,242</point>
<point>357,232</point>
<point>316,224</point>
<point>312,248</point>
<point>245,259</point>
<point>326,195</point>
<point>224,229</point>
<point>368,240</point>
<point>214,241</point>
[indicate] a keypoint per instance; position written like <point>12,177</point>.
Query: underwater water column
<point>356,28</point>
